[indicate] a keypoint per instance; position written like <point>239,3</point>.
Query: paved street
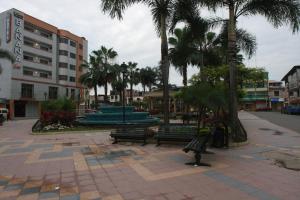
<point>88,166</point>
<point>288,121</point>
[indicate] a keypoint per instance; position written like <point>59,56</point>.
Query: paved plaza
<point>88,166</point>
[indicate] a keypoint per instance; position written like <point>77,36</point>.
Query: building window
<point>28,43</point>
<point>80,57</point>
<point>72,55</point>
<point>28,58</point>
<point>27,90</point>
<point>80,46</point>
<point>63,40</point>
<point>46,35</point>
<point>72,43</point>
<point>72,67</point>
<point>45,61</point>
<point>63,77</point>
<point>73,94</point>
<point>63,53</point>
<point>27,27</point>
<point>72,79</point>
<point>276,93</point>
<point>44,75</point>
<point>53,92</point>
<point>46,47</point>
<point>27,72</point>
<point>67,92</point>
<point>63,65</point>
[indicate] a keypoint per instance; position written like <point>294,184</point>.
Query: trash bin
<point>218,139</point>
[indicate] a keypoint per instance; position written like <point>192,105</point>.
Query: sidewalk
<point>88,166</point>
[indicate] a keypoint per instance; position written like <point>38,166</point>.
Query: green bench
<point>132,134</point>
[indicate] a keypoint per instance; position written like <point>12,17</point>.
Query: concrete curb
<point>239,144</point>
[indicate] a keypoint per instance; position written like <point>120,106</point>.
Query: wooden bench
<point>198,146</point>
<point>175,134</point>
<point>130,134</point>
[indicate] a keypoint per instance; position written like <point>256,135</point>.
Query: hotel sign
<point>18,36</point>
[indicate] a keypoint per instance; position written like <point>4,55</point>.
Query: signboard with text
<point>18,37</point>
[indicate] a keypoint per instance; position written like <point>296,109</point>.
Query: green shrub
<point>58,111</point>
<point>59,105</point>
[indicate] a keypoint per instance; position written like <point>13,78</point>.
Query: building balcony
<point>37,51</point>
<point>38,37</point>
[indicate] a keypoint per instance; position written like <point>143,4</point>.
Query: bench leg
<point>145,142</point>
<point>158,143</point>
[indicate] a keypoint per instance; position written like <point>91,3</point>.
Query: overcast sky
<point>135,39</point>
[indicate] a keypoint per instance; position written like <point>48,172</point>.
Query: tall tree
<point>278,12</point>
<point>183,51</point>
<point>93,77</point>
<point>106,56</point>
<point>133,77</point>
<point>162,11</point>
<point>119,83</point>
<point>148,78</point>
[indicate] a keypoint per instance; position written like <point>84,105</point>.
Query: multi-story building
<point>292,82</point>
<point>276,95</point>
<point>256,97</point>
<point>47,63</point>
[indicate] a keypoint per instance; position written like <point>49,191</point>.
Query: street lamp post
<point>124,68</point>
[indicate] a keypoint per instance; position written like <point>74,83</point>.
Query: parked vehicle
<point>4,112</point>
<point>291,110</point>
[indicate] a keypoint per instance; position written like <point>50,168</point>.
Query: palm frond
<point>278,12</point>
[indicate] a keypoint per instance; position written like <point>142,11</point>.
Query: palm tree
<point>183,51</point>
<point>133,76</point>
<point>119,83</point>
<point>148,77</point>
<point>162,11</point>
<point>106,56</point>
<point>93,77</point>
<point>278,12</point>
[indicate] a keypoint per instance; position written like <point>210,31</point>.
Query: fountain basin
<point>113,115</point>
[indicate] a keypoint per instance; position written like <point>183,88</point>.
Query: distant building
<point>257,97</point>
<point>292,82</point>
<point>276,95</point>
<point>47,63</point>
<point>155,101</point>
<point>137,96</point>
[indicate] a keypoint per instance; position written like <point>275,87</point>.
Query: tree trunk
<point>165,68</point>
<point>105,92</point>
<point>202,65</point>
<point>96,97</point>
<point>144,88</point>
<point>131,93</point>
<point>233,105</point>
<point>121,96</point>
<point>184,75</point>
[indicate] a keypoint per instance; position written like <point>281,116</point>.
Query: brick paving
<point>88,166</point>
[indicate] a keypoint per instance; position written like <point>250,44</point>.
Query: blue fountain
<point>113,115</point>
